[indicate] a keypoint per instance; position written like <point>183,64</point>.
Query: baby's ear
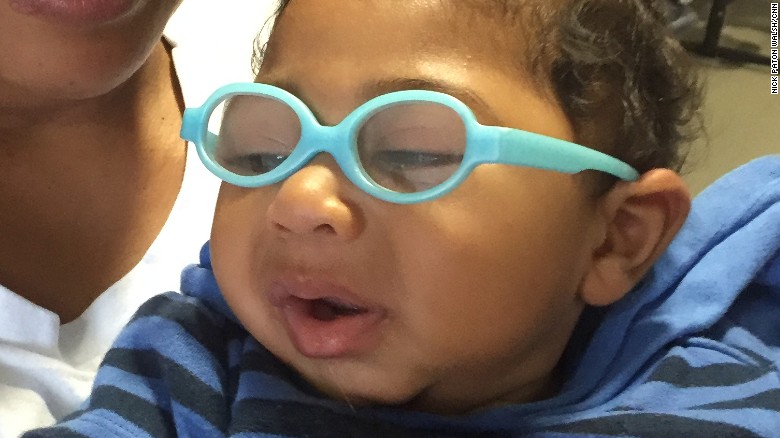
<point>639,221</point>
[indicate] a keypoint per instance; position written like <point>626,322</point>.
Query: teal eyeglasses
<point>403,147</point>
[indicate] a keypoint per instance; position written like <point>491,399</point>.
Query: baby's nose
<point>312,202</point>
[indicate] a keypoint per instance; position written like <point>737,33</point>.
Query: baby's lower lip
<point>321,333</point>
<point>75,12</point>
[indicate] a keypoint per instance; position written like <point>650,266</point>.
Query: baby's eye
<point>253,163</point>
<point>247,155</point>
<point>404,160</point>
<point>410,171</point>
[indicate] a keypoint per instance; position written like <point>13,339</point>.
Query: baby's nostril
<point>279,227</point>
<point>325,228</point>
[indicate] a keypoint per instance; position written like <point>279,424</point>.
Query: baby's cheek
<point>480,289</point>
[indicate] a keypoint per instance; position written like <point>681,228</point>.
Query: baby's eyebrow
<point>376,88</point>
<point>284,84</point>
<point>467,96</point>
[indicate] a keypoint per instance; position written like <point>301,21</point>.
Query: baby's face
<point>445,306</point>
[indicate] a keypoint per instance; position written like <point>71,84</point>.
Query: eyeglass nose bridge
<point>336,141</point>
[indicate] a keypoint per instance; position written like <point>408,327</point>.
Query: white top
<point>46,369</point>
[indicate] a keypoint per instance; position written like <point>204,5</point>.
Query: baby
<point>433,213</point>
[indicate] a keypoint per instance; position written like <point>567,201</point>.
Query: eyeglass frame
<point>485,144</point>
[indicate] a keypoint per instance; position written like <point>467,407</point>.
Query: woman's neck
<point>86,187</point>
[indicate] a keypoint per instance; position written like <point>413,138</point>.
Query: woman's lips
<point>325,320</point>
<point>77,12</point>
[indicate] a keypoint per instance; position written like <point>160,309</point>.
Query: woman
<point>94,179</point>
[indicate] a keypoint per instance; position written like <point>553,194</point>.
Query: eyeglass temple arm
<point>528,149</point>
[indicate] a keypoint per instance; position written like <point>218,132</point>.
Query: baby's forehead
<point>502,32</point>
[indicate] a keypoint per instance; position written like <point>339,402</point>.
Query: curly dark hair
<point>617,62</point>
<point>626,85</point>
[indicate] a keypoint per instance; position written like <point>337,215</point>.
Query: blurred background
<point>742,118</point>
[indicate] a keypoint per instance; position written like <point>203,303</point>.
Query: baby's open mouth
<point>326,321</point>
<point>329,309</point>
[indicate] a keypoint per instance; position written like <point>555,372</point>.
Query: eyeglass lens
<point>406,147</point>
<point>256,134</point>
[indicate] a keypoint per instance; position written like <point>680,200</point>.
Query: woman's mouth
<point>325,320</point>
<point>76,12</point>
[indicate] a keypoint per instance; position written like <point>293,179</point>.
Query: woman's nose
<point>311,202</point>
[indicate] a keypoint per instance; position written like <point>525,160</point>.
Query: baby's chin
<point>420,400</point>
<point>363,382</point>
<point>364,392</point>
<point>420,392</point>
